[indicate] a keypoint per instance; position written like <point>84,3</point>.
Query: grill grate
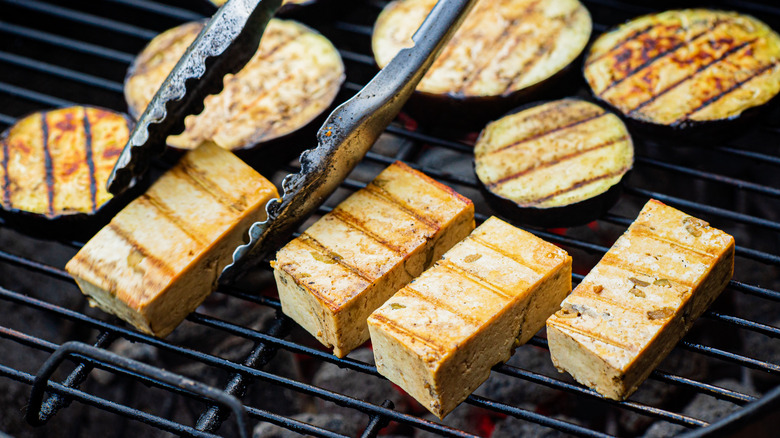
<point>56,52</point>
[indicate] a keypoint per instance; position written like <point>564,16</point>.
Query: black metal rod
<point>34,96</point>
<point>161,9</point>
<point>61,72</point>
<point>377,422</point>
<point>77,348</point>
<point>260,355</point>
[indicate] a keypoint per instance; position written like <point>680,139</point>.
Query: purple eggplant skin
<point>574,214</point>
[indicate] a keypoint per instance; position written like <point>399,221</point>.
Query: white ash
<point>332,422</point>
<point>703,407</point>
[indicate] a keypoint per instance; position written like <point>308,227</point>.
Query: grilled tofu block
<point>684,67</point>
<point>439,336</point>
<point>55,164</point>
<point>160,257</point>
<point>294,76</point>
<point>554,164</point>
<point>357,256</point>
<point>640,299</point>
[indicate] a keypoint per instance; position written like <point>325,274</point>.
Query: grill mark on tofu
<point>641,312</point>
<point>441,305</point>
<point>553,162</point>
<point>565,326</point>
<point>191,173</point>
<point>313,243</point>
<point>154,260</point>
<point>170,215</point>
<point>644,231</point>
<point>48,164</point>
<point>611,259</point>
<point>476,279</point>
<point>400,165</point>
<point>579,184</point>
<point>550,131</point>
<point>497,249</point>
<point>358,225</point>
<point>384,194</point>
<point>394,326</point>
<point>661,55</point>
<point>692,76</point>
<point>713,99</point>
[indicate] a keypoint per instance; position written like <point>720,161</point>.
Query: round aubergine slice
<point>503,52</point>
<point>294,76</point>
<point>288,6</point>
<point>554,164</point>
<point>55,165</point>
<point>685,68</point>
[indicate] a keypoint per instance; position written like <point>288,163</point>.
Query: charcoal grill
<point>58,52</point>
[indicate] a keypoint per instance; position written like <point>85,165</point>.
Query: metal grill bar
<point>60,72</point>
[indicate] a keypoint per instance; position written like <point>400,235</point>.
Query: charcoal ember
<point>703,407</point>
<point>511,427</point>
<point>514,390</point>
<point>355,384</point>
<point>465,417</point>
<point>659,394</point>
<point>332,422</point>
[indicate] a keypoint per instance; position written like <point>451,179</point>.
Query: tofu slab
<point>357,256</point>
<point>160,257</point>
<point>640,299</point>
<point>438,337</point>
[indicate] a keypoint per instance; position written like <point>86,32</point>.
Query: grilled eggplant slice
<point>439,336</point>
<point>554,164</point>
<point>294,76</point>
<point>505,50</point>
<point>55,165</point>
<point>357,256</point>
<point>160,257</point>
<point>684,68</point>
<point>641,298</point>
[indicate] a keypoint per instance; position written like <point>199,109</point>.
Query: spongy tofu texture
<point>160,256</point>
<point>354,258</point>
<point>640,299</point>
<point>439,336</point>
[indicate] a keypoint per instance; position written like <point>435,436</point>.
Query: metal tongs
<point>342,141</point>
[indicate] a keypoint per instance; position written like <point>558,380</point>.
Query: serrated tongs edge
<point>345,137</point>
<point>225,45</point>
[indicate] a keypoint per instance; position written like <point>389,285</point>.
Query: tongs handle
<point>346,136</point>
<point>224,46</point>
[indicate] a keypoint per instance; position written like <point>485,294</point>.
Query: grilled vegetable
<point>681,68</point>
<point>439,336</point>
<point>292,79</point>
<point>55,164</point>
<point>554,164</point>
<point>504,50</point>
<point>641,298</point>
<point>160,257</point>
<point>355,257</point>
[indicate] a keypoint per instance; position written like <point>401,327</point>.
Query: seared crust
<point>502,47</point>
<point>684,66</point>
<point>554,154</point>
<point>294,76</point>
<point>56,163</point>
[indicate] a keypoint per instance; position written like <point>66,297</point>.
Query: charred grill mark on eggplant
<point>692,76</point>
<point>730,89</point>
<point>90,159</point>
<point>555,161</point>
<point>6,177</point>
<point>579,184</point>
<point>633,35</point>
<point>48,165</point>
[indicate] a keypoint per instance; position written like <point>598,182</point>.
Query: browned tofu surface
<point>640,299</point>
<point>355,257</point>
<point>160,256</point>
<point>439,336</point>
